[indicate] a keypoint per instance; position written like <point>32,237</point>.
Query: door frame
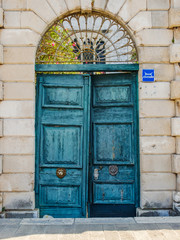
<point>87,68</point>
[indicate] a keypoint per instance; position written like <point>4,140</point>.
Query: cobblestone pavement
<point>150,228</point>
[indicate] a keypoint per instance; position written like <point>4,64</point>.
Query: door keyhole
<point>103,195</point>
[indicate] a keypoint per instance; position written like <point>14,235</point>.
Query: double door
<point>87,145</point>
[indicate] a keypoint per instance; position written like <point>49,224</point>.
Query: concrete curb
<point>90,221</point>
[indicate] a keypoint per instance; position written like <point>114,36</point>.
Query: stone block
<point>157,145</point>
<point>19,201</point>
<point>177,108</point>
<point>114,6</point>
<point>174,17</point>
<point>158,4</point>
<point>175,3</point>
<point>177,72</point>
<point>176,163</point>
<point>153,54</point>
<point>45,12</point>
<point>1,17</point>
<point>175,53</point>
<point>1,164</point>
<point>156,90</point>
<point>73,4</point>
<point>1,204</point>
<point>23,214</point>
<point>59,6</point>
<point>158,181</point>
<point>157,108</point>
<point>24,73</point>
<point>155,163</point>
<point>19,91</point>
<point>175,90</point>
<point>177,35</point>
<point>155,127</point>
<point>1,91</point>
<point>131,8</point>
<point>177,145</point>
<point>2,214</point>
<point>19,127</point>
<point>178,183</point>
<point>12,19</point>
<point>32,21</point>
<point>86,5</point>
<point>88,221</point>
<point>159,19</point>
<point>176,196</point>
<point>19,55</point>
<point>14,5</point>
<point>17,109</point>
<point>152,215</point>
<point>1,127</point>
<point>17,145</point>
<point>20,37</point>
<point>1,54</point>
<point>19,164</point>
<point>156,199</point>
<point>154,37</point>
<point>16,182</point>
<point>100,4</point>
<point>175,126</point>
<point>140,21</point>
<point>176,207</point>
<point>163,72</point>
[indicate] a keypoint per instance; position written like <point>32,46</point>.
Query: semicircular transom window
<point>86,39</point>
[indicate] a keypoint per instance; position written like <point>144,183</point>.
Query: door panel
<point>62,138</point>
<point>112,143</point>
<point>111,95</point>
<point>63,96</point>
<point>113,193</point>
<point>62,142</point>
<point>114,146</point>
<point>61,195</point>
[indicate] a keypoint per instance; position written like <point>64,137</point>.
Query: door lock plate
<point>61,172</point>
<point>113,170</point>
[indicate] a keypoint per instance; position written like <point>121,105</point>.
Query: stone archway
<point>66,132</point>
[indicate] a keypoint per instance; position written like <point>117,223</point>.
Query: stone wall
<point>155,25</point>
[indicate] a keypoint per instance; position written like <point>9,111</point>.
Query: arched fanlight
<point>86,39</point>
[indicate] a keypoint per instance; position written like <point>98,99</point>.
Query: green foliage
<point>57,47</point>
<point>3,209</point>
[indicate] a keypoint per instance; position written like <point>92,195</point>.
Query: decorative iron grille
<point>86,39</point>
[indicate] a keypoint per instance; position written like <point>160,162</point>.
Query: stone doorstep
<point>93,221</point>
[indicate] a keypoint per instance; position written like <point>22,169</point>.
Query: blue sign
<point>148,75</point>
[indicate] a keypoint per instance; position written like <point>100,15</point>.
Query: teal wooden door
<point>62,137</point>
<point>114,146</point>
<point>72,118</point>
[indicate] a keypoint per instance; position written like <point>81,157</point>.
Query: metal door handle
<point>96,174</point>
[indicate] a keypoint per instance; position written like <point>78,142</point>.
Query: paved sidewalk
<point>150,228</point>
